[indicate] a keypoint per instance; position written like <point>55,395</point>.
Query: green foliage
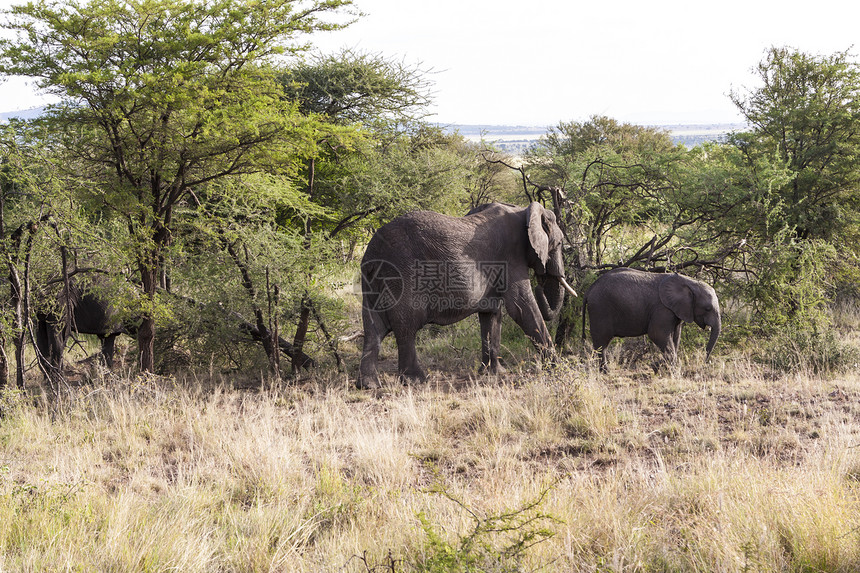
<point>804,114</point>
<point>793,285</point>
<point>369,111</point>
<point>495,543</point>
<point>161,98</point>
<point>426,170</point>
<point>766,218</point>
<point>796,208</point>
<point>613,174</point>
<point>799,348</point>
<point>356,88</point>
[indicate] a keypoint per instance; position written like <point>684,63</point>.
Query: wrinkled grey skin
<point>91,313</point>
<point>627,302</point>
<point>428,268</point>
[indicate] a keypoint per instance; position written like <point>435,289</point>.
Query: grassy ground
<point>717,467</point>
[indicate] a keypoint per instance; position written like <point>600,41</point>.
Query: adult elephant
<point>91,313</point>
<point>428,268</point>
<point>627,302</point>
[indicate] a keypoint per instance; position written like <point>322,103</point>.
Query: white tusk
<point>567,286</point>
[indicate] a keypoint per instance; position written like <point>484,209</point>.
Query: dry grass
<point>723,467</point>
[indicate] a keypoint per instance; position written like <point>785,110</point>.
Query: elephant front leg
<point>523,309</point>
<point>666,338</point>
<point>491,341</point>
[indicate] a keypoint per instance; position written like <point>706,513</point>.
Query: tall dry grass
<point>723,467</point>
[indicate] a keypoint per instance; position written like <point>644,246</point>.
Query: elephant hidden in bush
<point>428,268</point>
<point>627,302</point>
<point>91,314</point>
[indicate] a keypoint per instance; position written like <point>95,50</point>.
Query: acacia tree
<point>363,101</point>
<point>801,158</point>
<point>806,116</point>
<point>161,97</point>
<point>609,175</point>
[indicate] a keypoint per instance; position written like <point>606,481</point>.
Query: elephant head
<point>693,301</point>
<point>545,241</point>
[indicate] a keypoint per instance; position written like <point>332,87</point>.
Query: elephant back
<point>92,311</point>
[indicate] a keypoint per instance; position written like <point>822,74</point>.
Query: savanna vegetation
<point>216,178</point>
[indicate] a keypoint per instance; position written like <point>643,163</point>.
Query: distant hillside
<point>517,138</point>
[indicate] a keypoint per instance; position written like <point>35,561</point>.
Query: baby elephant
<point>627,302</point>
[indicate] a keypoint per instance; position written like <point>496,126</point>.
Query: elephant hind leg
<point>600,340</point>
<point>599,344</point>
<point>108,345</point>
<point>601,359</point>
<point>407,357</point>
<point>374,332</point>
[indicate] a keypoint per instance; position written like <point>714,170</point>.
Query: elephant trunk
<point>549,295</point>
<point>712,340</point>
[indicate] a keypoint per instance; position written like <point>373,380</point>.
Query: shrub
<point>495,543</point>
<point>798,348</point>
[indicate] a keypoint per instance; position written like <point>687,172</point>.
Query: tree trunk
<point>4,359</point>
<point>18,323</point>
<point>305,313</point>
<point>20,337</point>
<point>265,336</point>
<point>274,354</point>
<point>332,342</point>
<point>301,335</point>
<point>4,362</point>
<point>146,332</point>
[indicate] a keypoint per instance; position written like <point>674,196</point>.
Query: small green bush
<point>810,350</point>
<point>496,543</point>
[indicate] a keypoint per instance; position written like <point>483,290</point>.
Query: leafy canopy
<point>160,98</point>
<point>805,115</point>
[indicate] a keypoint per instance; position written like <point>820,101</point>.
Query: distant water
<point>21,114</point>
<point>517,138</point>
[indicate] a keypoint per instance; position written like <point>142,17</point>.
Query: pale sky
<point>538,62</point>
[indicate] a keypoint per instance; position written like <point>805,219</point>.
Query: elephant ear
<point>538,237</point>
<point>677,296</point>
